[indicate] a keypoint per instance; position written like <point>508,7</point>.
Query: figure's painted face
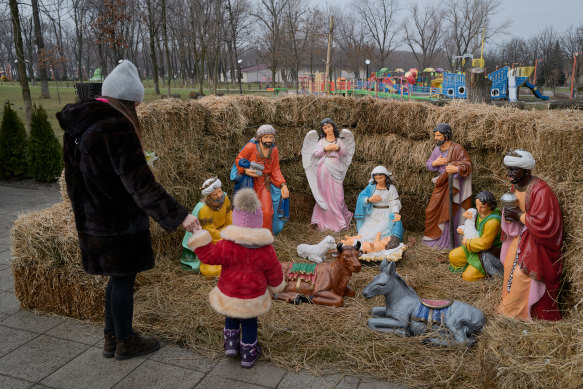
<point>439,138</point>
<point>516,174</point>
<point>267,140</point>
<point>328,129</point>
<point>483,209</point>
<point>217,194</point>
<point>380,178</point>
<point>217,197</point>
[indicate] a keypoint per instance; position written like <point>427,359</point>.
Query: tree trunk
<point>166,50</point>
<point>40,45</point>
<point>21,64</point>
<point>478,87</point>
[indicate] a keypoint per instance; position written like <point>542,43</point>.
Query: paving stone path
<point>46,351</point>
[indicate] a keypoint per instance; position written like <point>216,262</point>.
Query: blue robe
<point>363,209</point>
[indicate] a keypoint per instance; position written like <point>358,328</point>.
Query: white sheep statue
<point>468,229</point>
<point>316,252</point>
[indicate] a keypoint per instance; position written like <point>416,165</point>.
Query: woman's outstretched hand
<point>191,223</point>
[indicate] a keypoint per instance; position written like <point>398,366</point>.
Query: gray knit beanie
<point>123,83</point>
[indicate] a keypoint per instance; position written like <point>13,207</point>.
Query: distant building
<point>258,73</point>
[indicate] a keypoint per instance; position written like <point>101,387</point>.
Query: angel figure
<point>326,155</point>
<point>378,207</point>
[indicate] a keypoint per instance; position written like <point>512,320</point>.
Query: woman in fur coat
<point>113,192</point>
<point>250,273</point>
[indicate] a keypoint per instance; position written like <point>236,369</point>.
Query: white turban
<point>210,186</point>
<point>380,170</point>
<point>520,159</point>
<point>265,129</point>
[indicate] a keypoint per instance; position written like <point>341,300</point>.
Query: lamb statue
<point>468,229</point>
<point>317,252</point>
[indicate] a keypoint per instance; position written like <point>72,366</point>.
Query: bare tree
<point>40,45</point>
<point>465,21</point>
<point>78,9</point>
<point>152,27</point>
<point>108,30</point>
<point>21,64</point>
<point>423,30</point>
<point>293,16</point>
<point>378,18</point>
<point>571,43</point>
<point>201,18</point>
<point>166,50</point>
<point>353,43</point>
<point>237,11</point>
<point>269,15</point>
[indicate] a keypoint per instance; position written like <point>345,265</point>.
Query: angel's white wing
<point>310,163</point>
<point>350,145</point>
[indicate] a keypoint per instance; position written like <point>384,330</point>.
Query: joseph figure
<point>453,188</point>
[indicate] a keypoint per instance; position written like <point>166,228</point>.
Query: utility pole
<point>327,90</point>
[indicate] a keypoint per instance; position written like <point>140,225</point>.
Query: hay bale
<point>517,354</point>
<point>308,111</point>
<point>63,187</point>
<point>198,138</point>
<point>47,269</point>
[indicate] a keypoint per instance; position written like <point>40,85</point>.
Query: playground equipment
<point>506,81</point>
<point>97,76</point>
<point>454,86</point>
<point>505,84</point>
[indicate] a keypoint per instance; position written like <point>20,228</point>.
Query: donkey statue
<point>321,283</point>
<point>408,315</point>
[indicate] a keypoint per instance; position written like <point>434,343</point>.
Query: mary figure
<point>378,207</point>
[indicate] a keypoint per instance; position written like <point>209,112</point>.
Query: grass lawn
<point>10,91</point>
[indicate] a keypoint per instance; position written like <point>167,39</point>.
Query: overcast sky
<point>529,16</point>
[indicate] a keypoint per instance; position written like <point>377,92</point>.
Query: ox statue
<point>406,314</point>
<point>322,283</point>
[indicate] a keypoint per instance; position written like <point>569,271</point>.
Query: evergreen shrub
<point>44,151</point>
<point>13,144</point>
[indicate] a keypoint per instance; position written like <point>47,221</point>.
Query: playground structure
<point>413,85</point>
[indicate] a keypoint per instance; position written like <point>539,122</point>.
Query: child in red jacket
<point>250,273</point>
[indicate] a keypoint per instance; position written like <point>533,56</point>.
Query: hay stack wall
<point>197,139</point>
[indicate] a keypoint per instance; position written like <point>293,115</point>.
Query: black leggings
<point>248,328</point>
<point>119,306</point>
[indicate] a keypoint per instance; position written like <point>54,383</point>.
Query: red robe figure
<point>532,240</point>
<point>268,181</point>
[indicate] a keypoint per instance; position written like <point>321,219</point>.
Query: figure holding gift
<point>451,196</point>
<point>532,240</point>
<point>214,211</point>
<point>268,183</point>
<point>378,207</point>
<point>326,155</point>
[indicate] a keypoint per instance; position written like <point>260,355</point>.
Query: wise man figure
<point>215,212</point>
<point>268,183</point>
<point>452,193</point>
<point>532,239</point>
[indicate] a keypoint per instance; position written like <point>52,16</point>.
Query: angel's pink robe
<point>337,216</point>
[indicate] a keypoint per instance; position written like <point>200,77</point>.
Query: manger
<point>197,139</point>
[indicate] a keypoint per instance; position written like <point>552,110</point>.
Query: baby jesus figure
<point>378,244</point>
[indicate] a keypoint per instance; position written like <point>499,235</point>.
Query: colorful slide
<point>535,91</point>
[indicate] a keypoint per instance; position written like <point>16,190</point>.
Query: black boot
<point>109,345</point>
<point>135,346</point>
